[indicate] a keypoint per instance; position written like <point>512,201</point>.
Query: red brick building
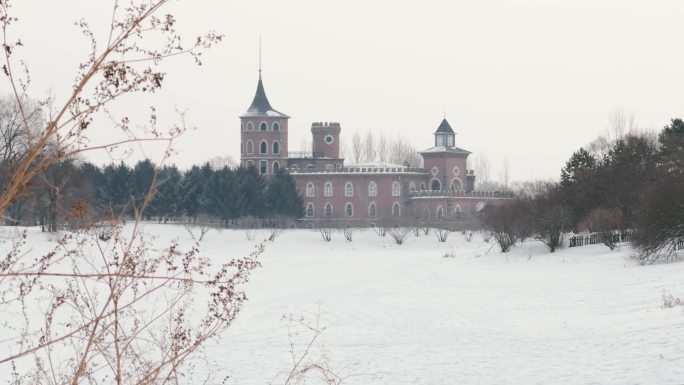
<point>442,189</point>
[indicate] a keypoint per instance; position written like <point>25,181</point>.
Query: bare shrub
<point>399,233</point>
<point>326,232</point>
<point>273,233</point>
<point>381,230</point>
<point>449,254</point>
<point>659,226</point>
<point>505,222</point>
<point>348,232</point>
<point>416,230</point>
<point>306,364</point>
<point>670,301</point>
<point>608,222</point>
<point>441,234</point>
<point>203,230</point>
<point>426,229</point>
<point>468,236</point>
<point>250,233</point>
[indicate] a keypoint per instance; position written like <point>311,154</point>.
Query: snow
<point>408,315</point>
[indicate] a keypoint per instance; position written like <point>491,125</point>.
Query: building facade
<point>441,190</point>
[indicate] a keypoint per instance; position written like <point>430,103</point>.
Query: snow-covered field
<point>408,315</point>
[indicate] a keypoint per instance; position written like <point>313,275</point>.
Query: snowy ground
<point>408,315</point>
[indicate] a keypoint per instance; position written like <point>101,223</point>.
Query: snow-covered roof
<point>376,164</point>
<point>453,150</point>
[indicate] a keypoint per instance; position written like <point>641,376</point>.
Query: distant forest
<point>80,193</point>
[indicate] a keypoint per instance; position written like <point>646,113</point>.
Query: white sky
<point>526,80</point>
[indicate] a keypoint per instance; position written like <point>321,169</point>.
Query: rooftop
<point>260,105</point>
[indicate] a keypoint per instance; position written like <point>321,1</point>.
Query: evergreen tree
<point>252,187</point>
<point>282,197</point>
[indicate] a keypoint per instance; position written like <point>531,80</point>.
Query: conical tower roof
<point>260,105</point>
<point>444,127</point>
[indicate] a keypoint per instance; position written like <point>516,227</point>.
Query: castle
<point>442,190</point>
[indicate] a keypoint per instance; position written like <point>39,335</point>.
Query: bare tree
<point>369,150</point>
<point>93,292</point>
<point>504,174</point>
<point>357,148</point>
<point>482,168</point>
<point>383,150</point>
<point>620,123</point>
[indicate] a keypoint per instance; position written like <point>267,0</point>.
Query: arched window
<point>276,126</point>
<point>372,212</point>
<point>349,210</point>
<point>250,147</point>
<point>440,212</point>
<point>263,147</point>
<point>396,189</point>
<point>412,186</point>
<point>263,126</point>
<point>456,184</point>
<point>426,214</point>
<point>250,126</point>
<point>327,189</point>
<point>348,189</point>
<point>457,212</point>
<point>276,167</point>
<point>310,210</point>
<point>276,147</point>
<point>310,190</point>
<point>242,147</point>
<point>396,209</point>
<point>422,186</point>
<point>372,189</point>
<point>435,185</point>
<point>328,210</point>
<point>263,167</point>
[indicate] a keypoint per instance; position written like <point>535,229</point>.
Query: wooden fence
<point>599,238</point>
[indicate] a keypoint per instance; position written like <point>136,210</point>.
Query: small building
<point>441,190</point>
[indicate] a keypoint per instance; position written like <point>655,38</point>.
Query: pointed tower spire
<point>260,105</point>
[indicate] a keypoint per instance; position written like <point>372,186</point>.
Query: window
<point>329,139</point>
<point>276,167</point>
<point>372,211</point>
<point>435,185</point>
<point>250,163</point>
<point>263,126</point>
<point>440,140</point>
<point>456,185</point>
<point>457,212</point>
<point>294,167</point>
<point>396,209</point>
<point>426,214</point>
<point>327,189</point>
<point>263,167</point>
<point>456,171</point>
<point>276,126</point>
<point>422,186</point>
<point>329,167</point>
<point>310,210</point>
<point>276,147</point>
<point>250,126</point>
<point>348,189</point>
<point>440,212</point>
<point>339,166</point>
<point>328,210</point>
<point>263,147</point>
<point>396,189</point>
<point>372,189</point>
<point>310,190</point>
<point>242,147</point>
<point>412,186</point>
<point>250,147</point>
<point>434,171</point>
<point>349,210</point>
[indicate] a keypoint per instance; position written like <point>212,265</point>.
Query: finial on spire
<point>259,54</point>
<point>443,112</point>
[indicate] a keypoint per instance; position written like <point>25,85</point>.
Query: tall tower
<point>326,140</point>
<point>263,135</point>
<point>445,162</point>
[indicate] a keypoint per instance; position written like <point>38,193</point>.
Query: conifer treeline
<point>73,191</point>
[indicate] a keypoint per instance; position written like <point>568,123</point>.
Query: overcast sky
<point>524,80</point>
